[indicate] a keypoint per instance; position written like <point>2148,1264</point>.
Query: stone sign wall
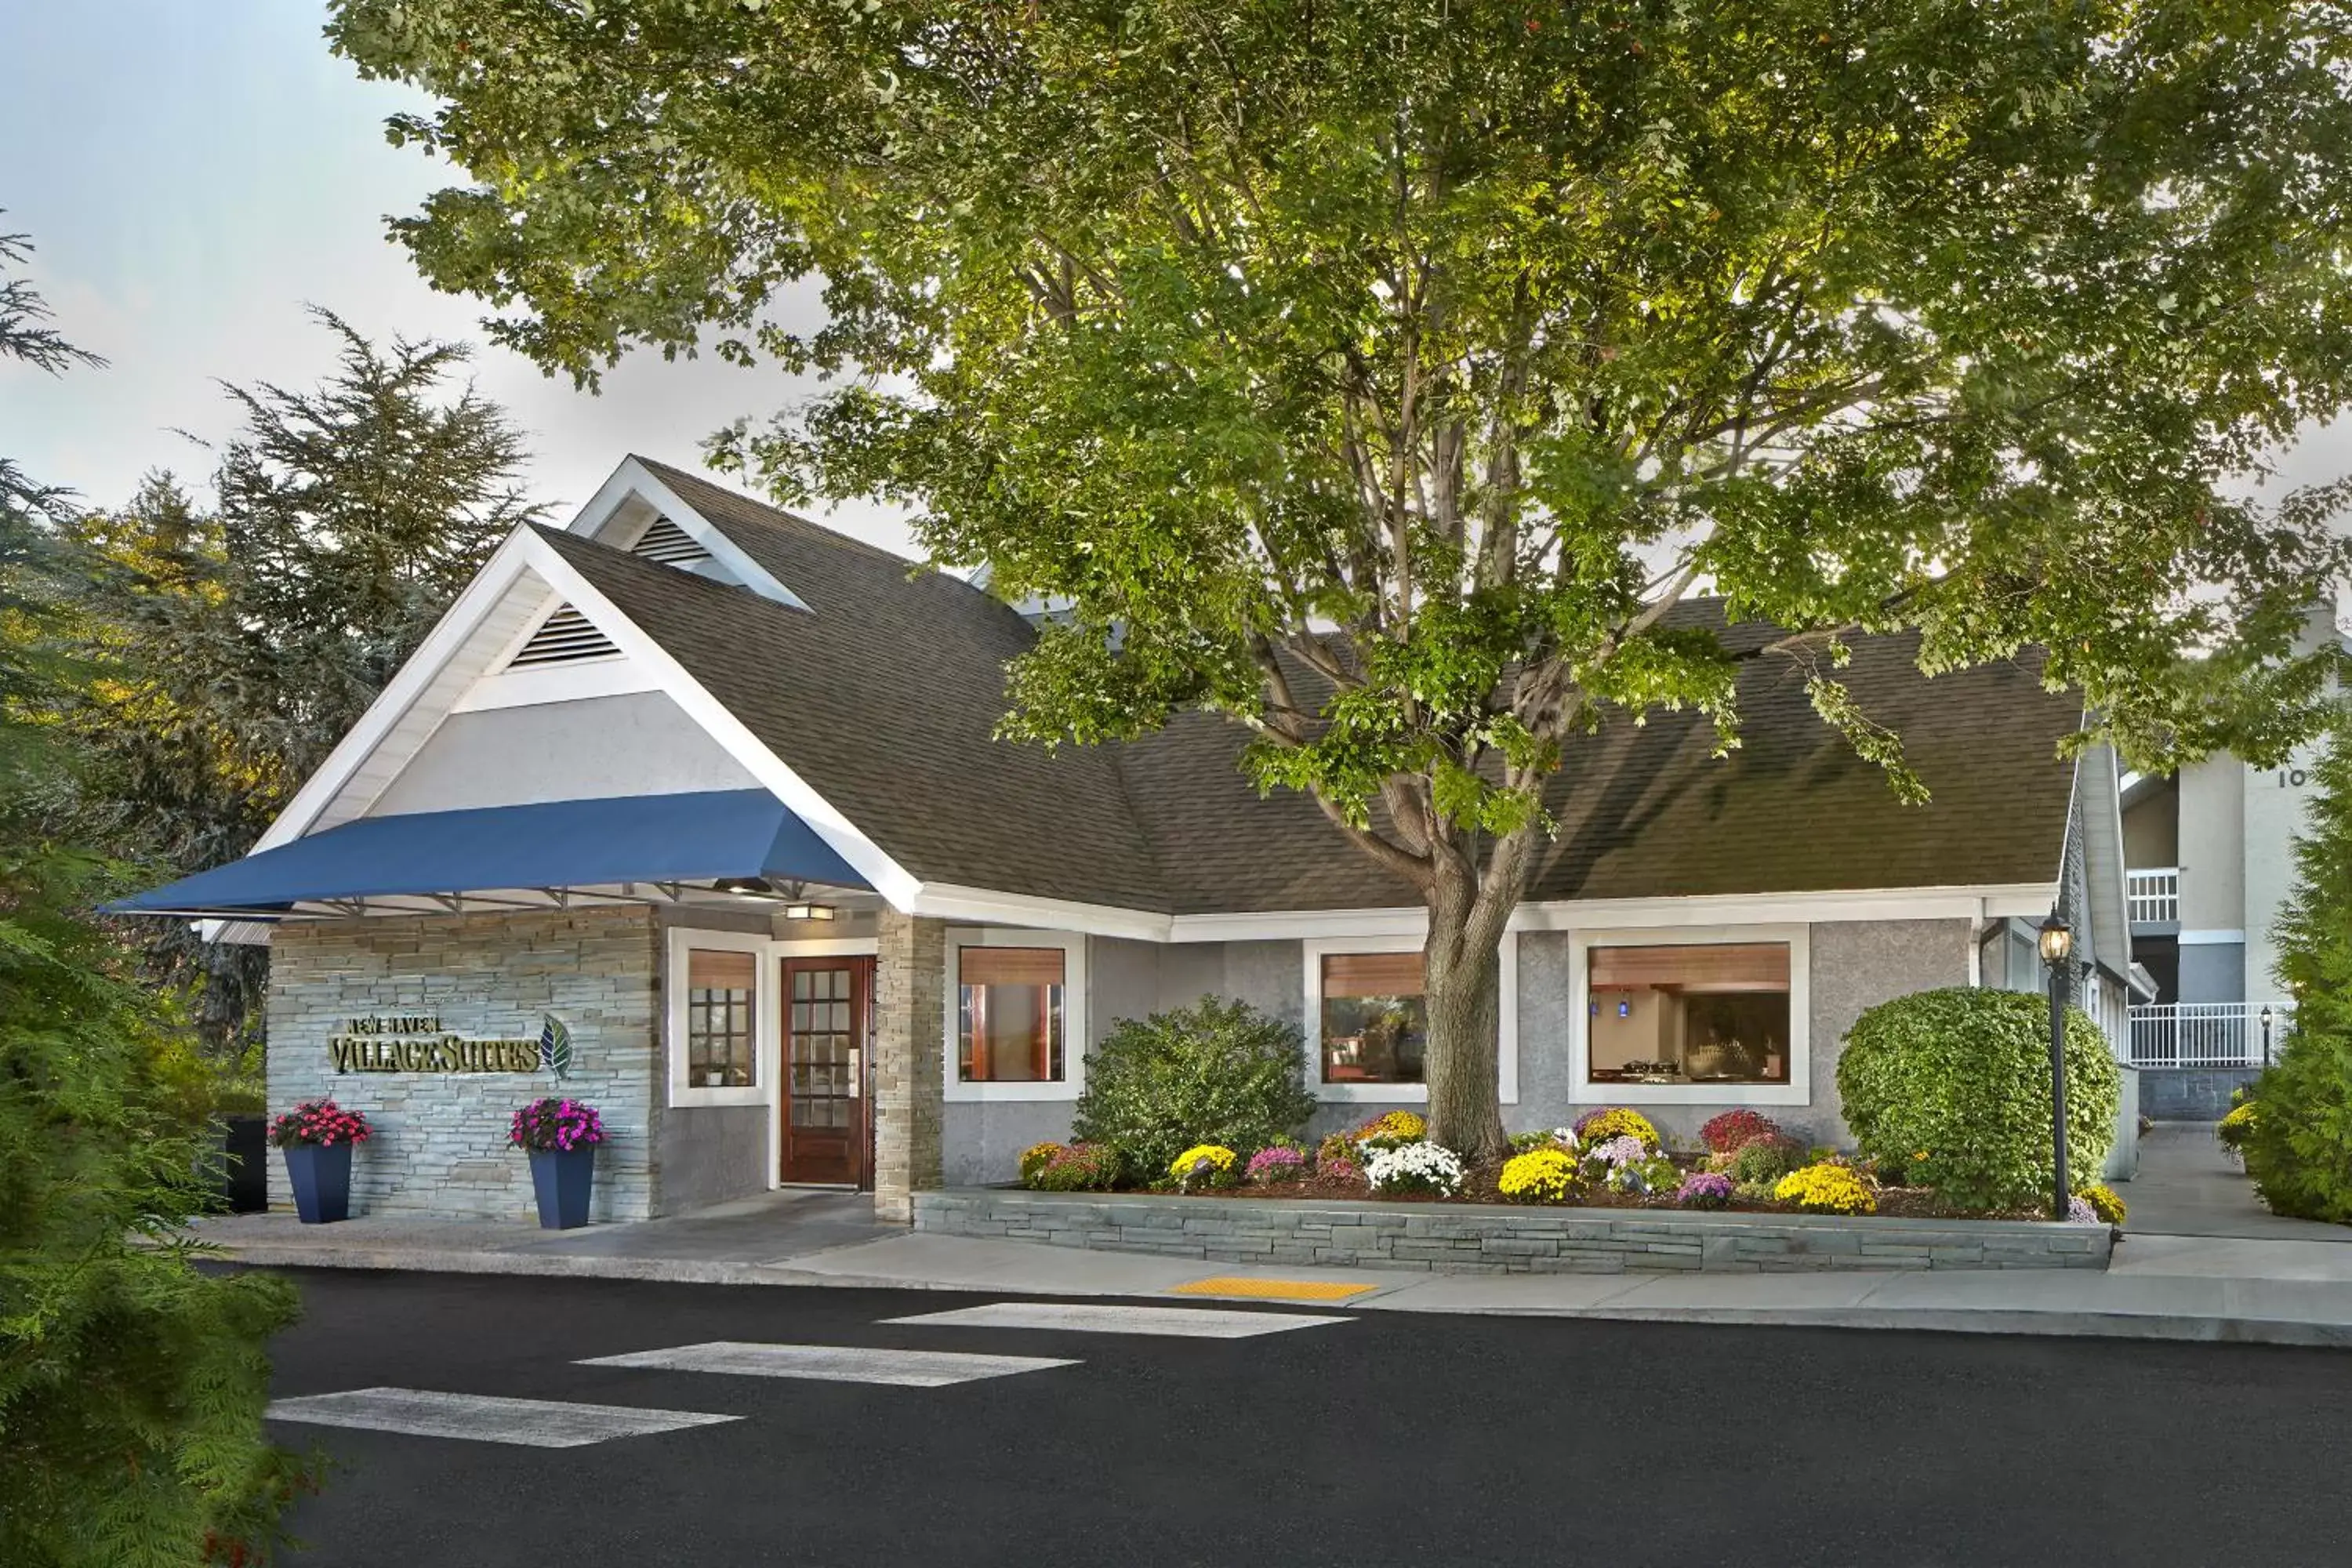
<point>443,1026</point>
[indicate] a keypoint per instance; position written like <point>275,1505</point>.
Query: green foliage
<point>2298,1145</point>
<point>1764,1161</point>
<point>1076,1168</point>
<point>234,647</point>
<point>1953,1088</point>
<point>1216,1072</point>
<point>131,1385</point>
<point>1378,376</point>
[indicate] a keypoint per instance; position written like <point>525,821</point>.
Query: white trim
<point>2211,938</point>
<point>536,684</point>
<point>408,687</point>
<point>1075,998</point>
<point>1797,1090</point>
<point>1990,900</point>
<point>1959,902</point>
<point>766,1016</point>
<point>634,479</point>
<point>1403,938</point>
<point>946,901</point>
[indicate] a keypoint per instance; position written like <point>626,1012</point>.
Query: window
<point>1698,1013</point>
<point>1008,1015</point>
<point>1375,1023</point>
<point>720,1019</point>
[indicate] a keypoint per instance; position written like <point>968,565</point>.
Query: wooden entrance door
<point>828,1022</point>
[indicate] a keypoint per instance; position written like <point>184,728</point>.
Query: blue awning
<point>716,836</point>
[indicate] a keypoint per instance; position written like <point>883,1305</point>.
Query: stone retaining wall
<point>1472,1238</point>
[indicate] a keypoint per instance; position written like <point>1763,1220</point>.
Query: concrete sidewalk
<point>2172,1288</point>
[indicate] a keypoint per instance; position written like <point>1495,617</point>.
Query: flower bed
<point>1611,1159</point>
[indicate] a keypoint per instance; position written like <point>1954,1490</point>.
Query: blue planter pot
<point>322,1178</point>
<point>563,1179</point>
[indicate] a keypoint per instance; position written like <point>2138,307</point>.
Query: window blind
<point>1372,975</point>
<point>1730,966</point>
<point>708,970</point>
<point>1010,965</point>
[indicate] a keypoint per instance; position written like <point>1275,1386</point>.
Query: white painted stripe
<point>482,1418</point>
<point>1180,1323</point>
<point>834,1364</point>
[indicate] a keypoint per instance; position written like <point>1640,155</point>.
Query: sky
<point>195,172</point>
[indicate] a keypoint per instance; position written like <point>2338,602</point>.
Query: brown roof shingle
<point>886,694</point>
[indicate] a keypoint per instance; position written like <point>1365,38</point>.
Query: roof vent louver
<point>566,637</point>
<point>667,543</point>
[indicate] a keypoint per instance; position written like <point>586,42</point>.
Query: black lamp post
<point>2056,943</point>
<point>2266,1033</point>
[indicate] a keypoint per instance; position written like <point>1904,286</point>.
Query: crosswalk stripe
<point>834,1364</point>
<point>484,1418</point>
<point>1182,1322</point>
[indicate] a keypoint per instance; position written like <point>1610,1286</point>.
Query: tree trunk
<point>1462,981</point>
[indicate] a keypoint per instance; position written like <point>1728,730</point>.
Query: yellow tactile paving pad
<point>1273,1290</point>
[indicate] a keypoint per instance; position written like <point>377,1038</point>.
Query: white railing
<point>2153,894</point>
<point>2202,1034</point>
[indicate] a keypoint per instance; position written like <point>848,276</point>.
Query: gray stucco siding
<point>592,748</point>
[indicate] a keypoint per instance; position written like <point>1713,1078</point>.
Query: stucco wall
<point>2278,806</point>
<point>2212,845</point>
<point>2152,828</point>
<point>439,1143</point>
<point>595,747</point>
<point>706,1154</point>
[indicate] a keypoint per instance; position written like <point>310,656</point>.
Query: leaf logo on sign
<point>554,1046</point>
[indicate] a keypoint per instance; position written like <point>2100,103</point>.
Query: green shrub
<point>1764,1162</point>
<point>1216,1072</point>
<point>1953,1088</point>
<point>2298,1144</point>
<point>1072,1168</point>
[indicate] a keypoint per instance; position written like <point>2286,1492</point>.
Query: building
<point>2210,854</point>
<point>693,810</point>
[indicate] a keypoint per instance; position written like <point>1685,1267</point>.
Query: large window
<point>1008,1015</point>
<point>1700,1013</point>
<point>721,1014</point>
<point>1375,1023</point>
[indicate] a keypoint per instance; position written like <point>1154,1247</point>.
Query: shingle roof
<point>886,693</point>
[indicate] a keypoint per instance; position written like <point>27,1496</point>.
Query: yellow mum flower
<point>1827,1189</point>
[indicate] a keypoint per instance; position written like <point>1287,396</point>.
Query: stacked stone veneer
<point>439,1143</point>
<point>1467,1238</point>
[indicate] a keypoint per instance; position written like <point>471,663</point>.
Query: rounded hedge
<point>1952,1089</point>
<point>1216,1072</point>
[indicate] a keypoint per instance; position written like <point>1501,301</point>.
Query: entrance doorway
<point>828,1033</point>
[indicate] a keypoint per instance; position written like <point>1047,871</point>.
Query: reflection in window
<point>1698,1014</point>
<point>718,1012</point>
<point>1375,1024</point>
<point>1008,1015</point>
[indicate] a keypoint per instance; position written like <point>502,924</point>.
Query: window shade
<point>712,971</point>
<point>1372,975</point>
<point>1733,966</point>
<point>1010,965</point>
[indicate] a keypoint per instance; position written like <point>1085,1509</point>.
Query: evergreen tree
<point>131,1385</point>
<point>243,641</point>
<point>2300,1152</point>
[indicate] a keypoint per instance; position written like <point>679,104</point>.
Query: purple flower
<point>1704,1190</point>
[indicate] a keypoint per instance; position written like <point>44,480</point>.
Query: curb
<point>2119,1325</point>
<point>2172,1327</point>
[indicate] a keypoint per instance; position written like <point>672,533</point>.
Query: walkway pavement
<point>2248,1289</point>
<point>2187,1185</point>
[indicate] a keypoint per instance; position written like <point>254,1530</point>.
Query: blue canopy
<point>558,843</point>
